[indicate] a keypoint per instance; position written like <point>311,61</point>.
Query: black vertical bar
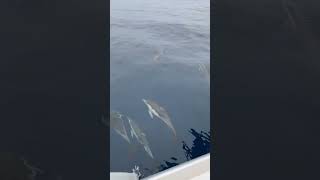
<point>54,66</point>
<point>107,88</point>
<point>267,96</point>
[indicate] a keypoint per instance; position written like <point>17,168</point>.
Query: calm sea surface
<point>157,47</point>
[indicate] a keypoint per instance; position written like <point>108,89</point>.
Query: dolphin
<point>160,112</point>
<point>117,123</point>
<point>34,170</point>
<point>140,136</point>
<point>205,68</point>
<point>14,166</point>
<point>157,55</point>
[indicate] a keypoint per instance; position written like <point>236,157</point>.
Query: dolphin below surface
<point>205,68</point>
<point>160,112</point>
<point>140,136</point>
<point>117,123</point>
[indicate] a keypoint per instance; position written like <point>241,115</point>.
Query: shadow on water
<point>200,146</point>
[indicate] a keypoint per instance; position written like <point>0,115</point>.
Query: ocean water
<point>157,47</point>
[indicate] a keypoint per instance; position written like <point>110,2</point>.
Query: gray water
<point>156,49</point>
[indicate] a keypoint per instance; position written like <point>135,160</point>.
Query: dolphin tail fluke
<point>174,132</point>
<point>127,139</point>
<point>150,113</point>
<point>147,149</point>
<point>175,138</point>
<point>171,127</point>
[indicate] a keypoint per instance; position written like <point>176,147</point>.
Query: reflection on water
<point>159,78</point>
<point>14,167</point>
<point>199,147</point>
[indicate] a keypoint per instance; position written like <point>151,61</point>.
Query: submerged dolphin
<point>157,55</point>
<point>140,136</point>
<point>117,123</point>
<point>160,112</point>
<point>205,68</point>
<point>34,170</point>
